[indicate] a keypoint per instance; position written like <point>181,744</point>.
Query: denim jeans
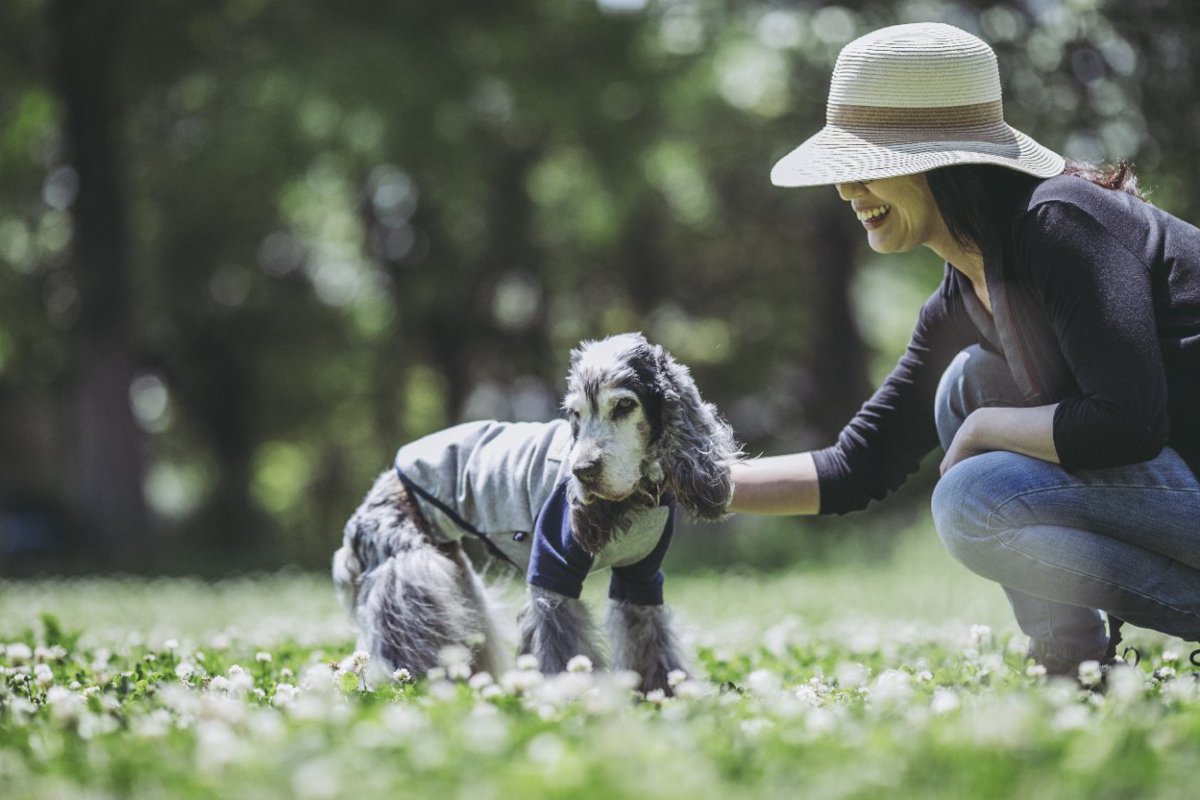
<point>1125,540</point>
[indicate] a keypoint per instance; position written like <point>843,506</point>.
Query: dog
<point>598,488</point>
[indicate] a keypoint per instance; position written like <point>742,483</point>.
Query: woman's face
<point>899,214</point>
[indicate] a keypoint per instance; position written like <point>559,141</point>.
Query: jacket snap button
<point>519,536</point>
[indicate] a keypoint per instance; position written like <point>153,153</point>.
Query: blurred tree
<point>106,468</point>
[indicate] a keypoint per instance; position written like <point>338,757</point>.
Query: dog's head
<point>639,427</point>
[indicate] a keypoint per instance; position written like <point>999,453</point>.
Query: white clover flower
<point>454,655</point>
<point>43,675</point>
<point>1035,671</point>
<point>690,690</point>
<point>216,745</point>
<point>579,663</point>
<point>892,687</point>
<point>626,679</point>
<point>991,663</point>
<point>1125,684</point>
<point>65,705</point>
<point>924,676</point>
<point>154,725</point>
<point>286,673</point>
<point>171,644</point>
<point>808,695</point>
<point>656,696</point>
<point>486,733</point>
<point>21,709</point>
<point>527,661</point>
<point>404,720</point>
<point>219,683</point>
<point>285,695</point>
<point>764,683</point>
<point>442,691</point>
<point>851,675</point>
<point>91,725</point>
<point>458,672</point>
<point>944,701</point>
<point>54,652</point>
<point>19,653</point>
<point>754,726</point>
<point>980,634</point>
<point>1169,657</point>
<point>184,670</point>
<point>402,676</point>
<point>565,687</point>
<point>1089,673</point>
<point>262,657</point>
<point>676,677</point>
<point>491,691</point>
<point>480,680</point>
<point>519,681</point>
<point>820,721</point>
<point>1071,718</point>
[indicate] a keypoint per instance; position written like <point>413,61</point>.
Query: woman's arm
<point>1028,431</point>
<point>776,485</point>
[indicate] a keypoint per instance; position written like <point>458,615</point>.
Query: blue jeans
<point>1125,540</point>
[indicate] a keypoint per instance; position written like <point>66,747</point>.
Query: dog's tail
<point>412,606</point>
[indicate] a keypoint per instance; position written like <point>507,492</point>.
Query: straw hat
<point>907,99</point>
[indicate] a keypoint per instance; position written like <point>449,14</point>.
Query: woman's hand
<point>1028,431</point>
<point>964,446</point>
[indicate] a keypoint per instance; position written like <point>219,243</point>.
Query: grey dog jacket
<point>509,480</point>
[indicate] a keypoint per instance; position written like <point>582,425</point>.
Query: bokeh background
<point>249,247</point>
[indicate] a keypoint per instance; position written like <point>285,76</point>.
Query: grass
<point>859,680</point>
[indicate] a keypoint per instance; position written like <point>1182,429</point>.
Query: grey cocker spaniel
<point>598,489</point>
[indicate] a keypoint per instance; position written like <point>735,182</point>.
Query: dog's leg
<point>555,628</point>
<point>489,653</point>
<point>410,607</point>
<point>643,640</point>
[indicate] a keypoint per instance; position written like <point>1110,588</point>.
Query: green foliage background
<point>261,243</point>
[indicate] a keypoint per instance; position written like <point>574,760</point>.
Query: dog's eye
<point>623,407</point>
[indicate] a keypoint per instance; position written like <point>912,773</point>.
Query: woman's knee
<point>967,498</point>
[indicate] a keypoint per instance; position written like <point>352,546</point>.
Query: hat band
<point>924,119</point>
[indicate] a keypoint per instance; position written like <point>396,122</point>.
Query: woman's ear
<point>697,446</point>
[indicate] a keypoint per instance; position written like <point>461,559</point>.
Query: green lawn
<point>862,680</point>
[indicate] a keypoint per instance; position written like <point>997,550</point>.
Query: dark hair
<point>974,198</point>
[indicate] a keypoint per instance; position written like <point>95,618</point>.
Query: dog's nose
<point>587,472</point>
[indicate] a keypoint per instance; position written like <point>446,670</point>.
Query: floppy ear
<point>697,446</point>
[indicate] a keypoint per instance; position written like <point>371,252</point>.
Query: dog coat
<point>509,480</point>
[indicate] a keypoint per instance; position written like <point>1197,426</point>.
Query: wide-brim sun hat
<point>907,99</point>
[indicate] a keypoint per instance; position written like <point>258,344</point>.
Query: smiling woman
<point>1058,363</point>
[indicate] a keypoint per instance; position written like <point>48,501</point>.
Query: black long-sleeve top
<point>1095,306</point>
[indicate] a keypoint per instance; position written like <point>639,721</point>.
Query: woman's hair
<point>973,198</point>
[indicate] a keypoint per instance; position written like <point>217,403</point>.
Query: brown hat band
<point>916,119</point>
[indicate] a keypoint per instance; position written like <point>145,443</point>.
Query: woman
<point>1058,363</point>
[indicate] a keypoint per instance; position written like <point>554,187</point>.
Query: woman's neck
<point>968,262</point>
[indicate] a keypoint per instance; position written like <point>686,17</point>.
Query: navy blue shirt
<point>558,564</point>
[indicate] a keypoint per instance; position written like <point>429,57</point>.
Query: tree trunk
<point>105,476</point>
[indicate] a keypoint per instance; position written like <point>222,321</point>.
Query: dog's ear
<point>696,446</point>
